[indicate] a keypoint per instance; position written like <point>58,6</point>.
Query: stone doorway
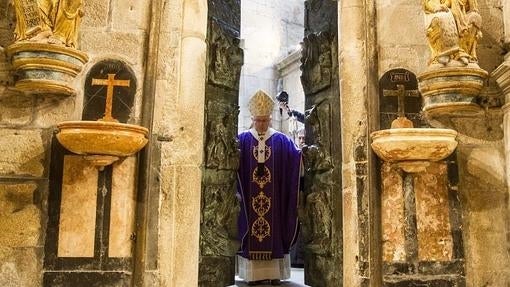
<point>321,208</point>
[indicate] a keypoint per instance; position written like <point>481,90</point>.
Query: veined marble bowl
<point>413,144</point>
<point>102,138</point>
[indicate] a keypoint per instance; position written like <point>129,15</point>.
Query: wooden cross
<point>401,93</point>
<point>109,83</point>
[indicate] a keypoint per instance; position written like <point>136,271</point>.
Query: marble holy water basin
<point>413,144</point>
<point>105,141</point>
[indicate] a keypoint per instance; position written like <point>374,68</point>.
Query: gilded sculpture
<point>453,30</point>
<point>48,21</point>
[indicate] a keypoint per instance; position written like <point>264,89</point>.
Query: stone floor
<point>297,279</point>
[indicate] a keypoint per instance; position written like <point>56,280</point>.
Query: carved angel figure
<point>48,21</point>
<point>453,30</point>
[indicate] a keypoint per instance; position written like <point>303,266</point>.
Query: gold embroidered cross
<point>110,83</point>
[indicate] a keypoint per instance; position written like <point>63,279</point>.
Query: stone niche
<point>420,209</point>
<point>109,94</point>
<point>91,224</point>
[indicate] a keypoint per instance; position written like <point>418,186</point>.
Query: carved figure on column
<point>316,62</point>
<point>319,215</point>
<point>218,227</point>
<point>453,30</point>
<point>222,146</point>
<point>317,154</point>
<point>217,149</point>
<point>48,21</point>
<point>225,58</point>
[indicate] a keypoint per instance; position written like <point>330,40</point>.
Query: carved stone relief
<point>221,149</point>
<point>318,165</point>
<point>218,226</point>
<point>453,30</point>
<point>316,62</point>
<point>225,58</point>
<point>220,207</point>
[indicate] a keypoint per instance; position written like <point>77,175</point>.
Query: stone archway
<point>168,215</point>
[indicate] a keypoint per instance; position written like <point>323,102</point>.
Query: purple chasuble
<point>269,199</point>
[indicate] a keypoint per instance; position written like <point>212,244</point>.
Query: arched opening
<point>259,50</point>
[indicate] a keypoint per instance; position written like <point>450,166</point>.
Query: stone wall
<point>290,78</point>
<point>270,29</point>
<point>402,44</point>
<point>32,196</point>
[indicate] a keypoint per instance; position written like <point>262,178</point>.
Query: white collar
<point>267,134</point>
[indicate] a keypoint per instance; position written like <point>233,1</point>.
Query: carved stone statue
<point>48,21</point>
<point>453,30</point>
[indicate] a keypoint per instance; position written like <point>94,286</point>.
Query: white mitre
<point>261,104</point>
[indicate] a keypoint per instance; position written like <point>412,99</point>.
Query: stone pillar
<point>220,206</point>
<point>502,77</point>
<point>178,122</point>
<point>322,191</point>
<point>358,82</point>
<point>506,21</point>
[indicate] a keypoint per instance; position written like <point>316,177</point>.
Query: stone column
<point>179,126</point>
<point>502,77</point>
<point>506,21</point>
<point>358,83</point>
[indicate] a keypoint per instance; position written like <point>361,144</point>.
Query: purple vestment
<point>268,218</point>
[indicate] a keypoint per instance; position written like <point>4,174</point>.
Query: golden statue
<point>48,21</point>
<point>453,30</point>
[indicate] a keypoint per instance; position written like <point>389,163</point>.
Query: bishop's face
<point>261,123</point>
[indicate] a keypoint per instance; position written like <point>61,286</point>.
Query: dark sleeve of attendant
<point>299,116</point>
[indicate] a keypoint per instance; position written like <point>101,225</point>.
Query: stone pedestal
<point>40,68</point>
<point>451,90</point>
<point>418,238</point>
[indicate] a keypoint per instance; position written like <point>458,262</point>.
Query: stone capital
<point>502,77</point>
